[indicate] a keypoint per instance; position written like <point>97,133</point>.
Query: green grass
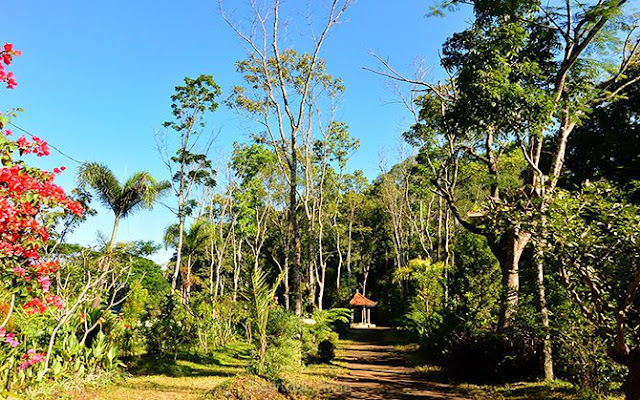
<point>189,378</point>
<point>220,375</point>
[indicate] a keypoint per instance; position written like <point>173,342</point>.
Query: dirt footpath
<point>375,371</point>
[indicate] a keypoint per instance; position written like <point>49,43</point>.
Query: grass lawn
<point>191,378</point>
<point>187,378</point>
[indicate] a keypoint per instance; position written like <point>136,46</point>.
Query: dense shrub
<point>284,350</point>
<point>328,322</point>
<point>326,351</point>
<point>494,357</point>
<point>166,332</point>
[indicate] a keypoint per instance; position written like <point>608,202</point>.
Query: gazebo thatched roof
<point>359,300</point>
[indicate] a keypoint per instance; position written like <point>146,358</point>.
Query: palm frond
<point>139,191</point>
<point>100,178</point>
<point>171,236</point>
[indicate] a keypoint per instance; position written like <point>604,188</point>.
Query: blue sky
<point>95,79</point>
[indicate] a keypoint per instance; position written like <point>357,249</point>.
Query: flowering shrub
<point>6,56</point>
<point>28,197</point>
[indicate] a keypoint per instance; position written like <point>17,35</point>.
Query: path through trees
<point>377,371</point>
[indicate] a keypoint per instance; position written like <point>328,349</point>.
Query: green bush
<point>169,331</point>
<point>324,330</point>
<point>284,351</point>
<point>326,351</point>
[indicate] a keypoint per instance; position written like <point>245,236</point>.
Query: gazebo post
<point>368,315</point>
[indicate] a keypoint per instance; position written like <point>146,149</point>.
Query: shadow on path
<point>376,371</point>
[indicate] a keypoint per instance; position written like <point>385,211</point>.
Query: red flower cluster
<point>39,147</point>
<point>28,195</point>
<point>34,306</point>
<point>6,56</point>
<point>23,193</point>
<point>31,358</point>
<point>46,267</point>
<point>55,301</point>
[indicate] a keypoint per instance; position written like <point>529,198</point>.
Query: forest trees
<point>188,167</point>
<point>522,77</point>
<point>596,239</point>
<point>283,96</point>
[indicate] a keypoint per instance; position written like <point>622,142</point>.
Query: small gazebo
<point>359,301</point>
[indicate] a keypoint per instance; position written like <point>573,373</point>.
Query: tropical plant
<point>29,200</point>
<point>140,191</point>
<point>260,297</point>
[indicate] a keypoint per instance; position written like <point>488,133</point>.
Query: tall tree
<point>284,85</point>
<point>140,191</point>
<point>188,167</point>
<point>595,240</point>
<point>522,73</point>
<point>608,144</point>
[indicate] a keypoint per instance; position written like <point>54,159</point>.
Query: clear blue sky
<point>95,79</point>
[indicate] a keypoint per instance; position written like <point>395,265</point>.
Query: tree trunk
<point>106,261</point>
<point>176,271</point>
<point>349,249</point>
<point>287,300</point>
<point>514,243</point>
<point>439,231</point>
<point>237,254</point>
<point>547,361</point>
<point>294,229</point>
<point>631,385</point>
<point>112,241</point>
<point>447,254</point>
<point>338,250</point>
<point>364,281</point>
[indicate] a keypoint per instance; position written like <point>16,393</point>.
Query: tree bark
<point>631,385</point>
<point>294,230</point>
<point>547,354</point>
<point>514,241</point>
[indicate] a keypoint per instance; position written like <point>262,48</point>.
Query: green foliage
<point>80,353</point>
<point>284,351</point>
<point>216,323</point>
<point>582,357</point>
<point>170,330</point>
<point>150,278</point>
<point>427,279</point>
<point>324,330</point>
<point>260,299</point>
<point>595,236</point>
<point>474,283</point>
<point>607,145</point>
<point>190,101</point>
<point>141,190</point>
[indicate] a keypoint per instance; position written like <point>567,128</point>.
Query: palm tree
<point>139,191</point>
<point>194,248</point>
